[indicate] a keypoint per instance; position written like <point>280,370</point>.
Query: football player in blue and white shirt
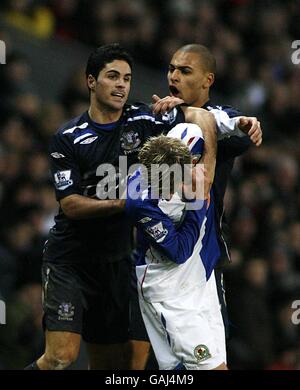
<point>177,250</point>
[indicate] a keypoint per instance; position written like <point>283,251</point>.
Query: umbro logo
<point>57,155</point>
<point>89,140</point>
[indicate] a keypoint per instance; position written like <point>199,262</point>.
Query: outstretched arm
<point>248,125</point>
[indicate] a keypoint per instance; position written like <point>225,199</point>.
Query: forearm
<point>81,207</point>
<point>206,121</point>
<point>209,157</point>
<point>225,125</point>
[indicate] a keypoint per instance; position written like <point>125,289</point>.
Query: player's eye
<point>185,71</point>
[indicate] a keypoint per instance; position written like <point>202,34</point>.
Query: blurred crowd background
<point>252,44</point>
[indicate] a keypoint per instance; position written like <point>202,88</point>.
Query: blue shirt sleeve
<point>160,232</point>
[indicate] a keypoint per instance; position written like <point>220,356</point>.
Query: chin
<point>117,106</point>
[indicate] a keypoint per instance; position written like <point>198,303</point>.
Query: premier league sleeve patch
<point>62,180</point>
<point>158,232</point>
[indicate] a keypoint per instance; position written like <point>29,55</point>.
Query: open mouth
<point>174,91</point>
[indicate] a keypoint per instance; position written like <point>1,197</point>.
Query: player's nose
<point>174,76</point>
<point>121,85</point>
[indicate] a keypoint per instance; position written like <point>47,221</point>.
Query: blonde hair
<point>164,151</point>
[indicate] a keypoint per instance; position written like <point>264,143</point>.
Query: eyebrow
<point>181,67</point>
<point>117,72</point>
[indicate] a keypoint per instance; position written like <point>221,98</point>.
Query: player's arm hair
<point>80,207</point>
<point>207,122</point>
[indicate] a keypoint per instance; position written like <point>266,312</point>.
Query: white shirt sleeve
<point>226,126</point>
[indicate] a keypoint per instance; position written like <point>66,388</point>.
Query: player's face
<point>188,79</point>
<point>113,85</point>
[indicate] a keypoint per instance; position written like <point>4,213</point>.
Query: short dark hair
<point>104,55</point>
<point>205,55</point>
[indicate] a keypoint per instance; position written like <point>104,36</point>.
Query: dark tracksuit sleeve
<point>232,147</point>
<point>64,168</point>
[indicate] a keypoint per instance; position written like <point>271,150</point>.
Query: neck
<point>201,101</point>
<point>102,115</point>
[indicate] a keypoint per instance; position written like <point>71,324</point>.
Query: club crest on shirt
<point>158,232</point>
<point>201,353</point>
<point>130,141</point>
<point>66,311</point>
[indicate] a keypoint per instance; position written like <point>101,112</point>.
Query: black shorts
<point>137,328</point>
<point>90,299</point>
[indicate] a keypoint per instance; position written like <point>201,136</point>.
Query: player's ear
<point>91,82</point>
<point>210,78</point>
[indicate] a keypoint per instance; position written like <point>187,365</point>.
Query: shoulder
<point>78,123</point>
<point>143,112</point>
<point>74,131</point>
<point>138,109</point>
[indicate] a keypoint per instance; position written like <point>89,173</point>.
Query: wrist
<point>120,204</point>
